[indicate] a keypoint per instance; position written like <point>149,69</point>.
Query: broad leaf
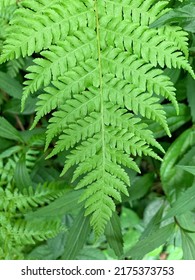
<point>188,245</point>
<point>190,169</point>
<point>8,131</point>
<point>151,242</point>
<point>52,250</point>
<point>65,204</point>
<point>21,175</point>
<point>10,85</point>
<point>184,203</point>
<point>185,16</point>
<point>154,224</point>
<point>191,95</point>
<point>187,221</point>
<point>90,253</point>
<point>171,176</point>
<point>140,186</point>
<point>77,237</point>
<point>114,235</point>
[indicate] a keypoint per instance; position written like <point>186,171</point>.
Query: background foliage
<point>40,217</point>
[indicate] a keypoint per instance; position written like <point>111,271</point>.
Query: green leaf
<point>187,221</point>
<point>140,186</point>
<point>114,234</point>
<point>184,16</point>
<point>49,251</point>
<point>151,242</point>
<point>188,245</point>
<point>191,95</point>
<point>8,131</point>
<point>5,144</point>
<point>21,175</point>
<point>129,218</point>
<point>10,151</point>
<point>190,169</point>
<point>90,253</point>
<point>174,121</point>
<point>10,85</point>
<point>14,107</point>
<point>170,176</point>
<point>184,203</point>
<point>77,237</point>
<point>65,204</point>
<point>154,223</point>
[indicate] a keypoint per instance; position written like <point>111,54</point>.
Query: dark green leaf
<point>184,16</point>
<point>184,203</point>
<point>8,131</point>
<point>90,253</point>
<point>21,176</point>
<point>114,235</point>
<point>154,224</point>
<point>77,237</point>
<point>14,107</point>
<point>10,85</point>
<point>191,95</point>
<point>49,251</point>
<point>151,242</point>
<point>65,204</point>
<point>170,176</point>
<point>140,186</point>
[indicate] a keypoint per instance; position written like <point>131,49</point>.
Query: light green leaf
<point>188,246</point>
<point>190,169</point>
<point>114,234</point>
<point>10,151</point>
<point>187,221</point>
<point>77,237</point>
<point>129,218</point>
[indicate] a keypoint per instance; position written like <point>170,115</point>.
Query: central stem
<point>101,86</point>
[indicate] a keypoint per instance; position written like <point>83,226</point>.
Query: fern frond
<point>99,72</point>
<point>7,8</point>
<point>41,23</point>
<point>22,232</point>
<point>14,66</point>
<point>29,198</point>
<point>178,37</point>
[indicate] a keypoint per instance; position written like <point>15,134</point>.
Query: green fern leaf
<point>100,72</point>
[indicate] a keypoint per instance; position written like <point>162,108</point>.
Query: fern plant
<point>16,232</point>
<point>99,75</point>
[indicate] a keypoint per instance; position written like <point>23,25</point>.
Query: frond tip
<point>100,73</point>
